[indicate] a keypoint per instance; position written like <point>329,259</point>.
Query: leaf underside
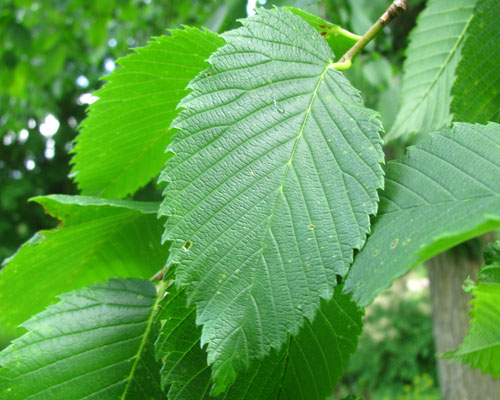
<point>481,346</point>
<point>97,239</point>
<point>275,174</point>
<point>445,191</point>
<point>94,344</point>
<point>429,69</point>
<point>476,94</point>
<point>121,146</point>
<point>306,368</point>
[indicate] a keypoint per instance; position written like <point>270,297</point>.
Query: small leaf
<point>481,346</point>
<point>97,239</point>
<point>122,143</point>
<point>275,174</point>
<point>95,343</point>
<point>444,192</point>
<point>429,69</point>
<point>476,93</point>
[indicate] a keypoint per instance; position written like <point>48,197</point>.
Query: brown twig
<point>397,8</point>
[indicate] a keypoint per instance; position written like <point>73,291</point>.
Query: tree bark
<point>447,274</point>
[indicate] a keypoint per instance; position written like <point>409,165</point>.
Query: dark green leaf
<point>476,93</point>
<point>442,193</point>
<point>95,343</point>
<point>306,368</point>
<point>429,69</point>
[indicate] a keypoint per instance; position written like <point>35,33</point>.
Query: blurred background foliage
<point>52,56</point>
<point>396,359</point>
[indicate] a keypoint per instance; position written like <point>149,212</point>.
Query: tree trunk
<point>447,274</point>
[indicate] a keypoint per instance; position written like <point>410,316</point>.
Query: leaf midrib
<point>478,349</point>
<point>159,294</point>
<point>445,64</point>
<point>290,160</point>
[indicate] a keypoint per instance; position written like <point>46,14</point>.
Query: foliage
<point>43,60</point>
<point>421,388</point>
<point>97,342</point>
<point>430,67</point>
<point>97,239</point>
<point>256,226</point>
<point>273,183</point>
<point>481,346</point>
<point>423,213</point>
<point>162,70</point>
<point>321,346</point>
<point>51,56</point>
<point>475,93</point>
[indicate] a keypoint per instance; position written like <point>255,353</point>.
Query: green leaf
<point>476,96</point>
<point>95,343</point>
<point>481,346</point>
<point>444,192</point>
<point>275,174</point>
<point>429,69</point>
<point>306,368</point>
<point>339,39</point>
<point>97,239</point>
<point>122,143</point>
<point>184,372</point>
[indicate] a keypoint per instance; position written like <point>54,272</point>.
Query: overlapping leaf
<point>275,173</point>
<point>95,343</point>
<point>429,69</point>
<point>339,39</point>
<point>306,368</point>
<point>122,143</point>
<point>442,193</point>
<point>481,346</point>
<point>476,93</point>
<point>97,239</point>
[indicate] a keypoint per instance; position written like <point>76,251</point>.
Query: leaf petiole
<point>393,11</point>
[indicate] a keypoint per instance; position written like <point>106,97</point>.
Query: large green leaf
<point>275,174</point>
<point>306,368</point>
<point>476,93</point>
<point>97,239</point>
<point>442,193</point>
<point>122,143</point>
<point>481,346</point>
<point>95,343</point>
<point>429,69</point>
